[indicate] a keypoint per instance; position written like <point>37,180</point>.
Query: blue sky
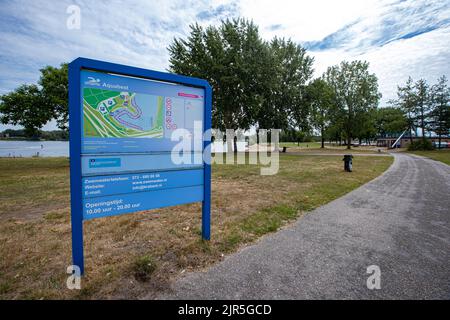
<point>398,38</point>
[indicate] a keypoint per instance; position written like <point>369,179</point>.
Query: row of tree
<point>263,84</point>
<point>54,135</point>
<point>418,106</point>
<point>269,84</point>
<point>424,106</point>
<point>342,103</point>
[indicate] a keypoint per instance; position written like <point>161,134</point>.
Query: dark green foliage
<point>54,135</point>
<point>320,98</point>
<point>390,120</point>
<point>355,97</point>
<point>26,106</point>
<point>421,144</point>
<point>32,106</point>
<point>439,116</point>
<point>55,88</point>
<point>296,136</point>
<point>425,107</point>
<point>44,135</point>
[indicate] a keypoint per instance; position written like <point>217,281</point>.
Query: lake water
<point>10,148</point>
<point>33,148</point>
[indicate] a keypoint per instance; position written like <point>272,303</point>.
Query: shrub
<point>143,268</point>
<point>421,144</point>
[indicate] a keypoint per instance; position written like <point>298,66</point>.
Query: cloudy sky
<point>398,37</point>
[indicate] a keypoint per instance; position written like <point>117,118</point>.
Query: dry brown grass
<point>35,239</point>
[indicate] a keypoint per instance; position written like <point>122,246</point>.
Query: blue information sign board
<point>138,141</point>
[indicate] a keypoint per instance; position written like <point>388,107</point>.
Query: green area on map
<point>113,114</point>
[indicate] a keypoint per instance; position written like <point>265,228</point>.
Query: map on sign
<point>135,115</point>
<point>113,114</point>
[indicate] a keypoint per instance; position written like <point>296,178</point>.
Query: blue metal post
<point>75,165</point>
<point>206,205</point>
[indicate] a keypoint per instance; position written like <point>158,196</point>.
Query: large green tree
<point>319,96</point>
<point>285,77</point>
<point>32,106</point>
<point>231,57</point>
<point>285,72</point>
<point>54,83</point>
<point>406,102</point>
<point>415,99</point>
<point>255,83</point>
<point>390,120</point>
<point>355,94</point>
<point>440,108</point>
<point>25,106</point>
<point>364,126</point>
<point>422,105</point>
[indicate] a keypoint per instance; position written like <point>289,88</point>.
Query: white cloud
<point>426,56</point>
<point>304,20</point>
<point>399,40</point>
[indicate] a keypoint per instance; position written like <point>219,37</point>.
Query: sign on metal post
<point>139,140</point>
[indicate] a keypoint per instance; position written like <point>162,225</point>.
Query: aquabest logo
<point>93,81</point>
<point>97,82</point>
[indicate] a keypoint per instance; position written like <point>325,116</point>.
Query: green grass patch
<point>438,155</point>
<point>144,267</point>
<point>268,219</point>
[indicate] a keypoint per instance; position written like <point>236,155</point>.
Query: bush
<point>421,144</point>
<point>144,267</point>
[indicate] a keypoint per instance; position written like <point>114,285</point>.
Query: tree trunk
<point>322,138</point>
<point>422,123</point>
<point>349,142</point>
<point>410,128</point>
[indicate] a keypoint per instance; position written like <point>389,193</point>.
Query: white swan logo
<point>93,82</point>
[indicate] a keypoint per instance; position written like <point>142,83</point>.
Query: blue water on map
<point>34,148</point>
<point>145,118</point>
